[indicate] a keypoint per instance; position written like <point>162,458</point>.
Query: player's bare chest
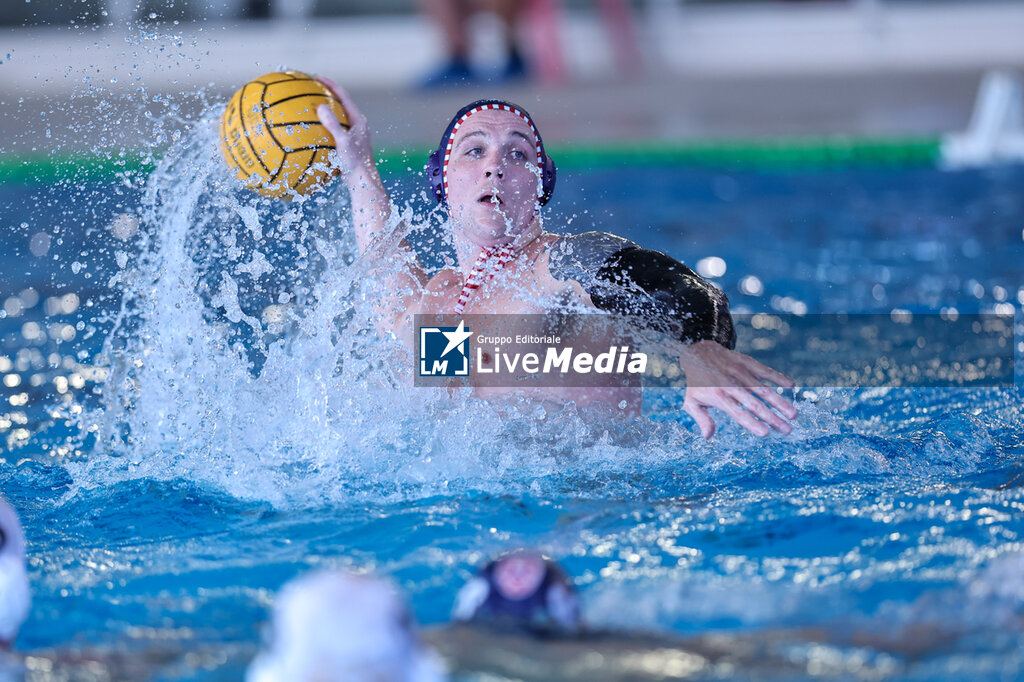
<point>509,291</point>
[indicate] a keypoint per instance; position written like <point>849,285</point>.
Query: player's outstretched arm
<point>353,156</point>
<point>734,383</point>
<point>371,210</point>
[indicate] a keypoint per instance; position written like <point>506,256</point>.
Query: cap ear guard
<point>548,175</point>
<point>434,175</point>
<point>563,606</point>
<point>470,598</point>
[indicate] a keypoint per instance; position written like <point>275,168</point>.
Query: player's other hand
<point>734,383</point>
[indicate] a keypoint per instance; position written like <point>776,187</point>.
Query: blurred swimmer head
<point>999,585</point>
<point>331,625</point>
<point>520,590</point>
<point>14,591</point>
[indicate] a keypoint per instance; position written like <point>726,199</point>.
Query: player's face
<point>493,177</point>
<point>518,577</point>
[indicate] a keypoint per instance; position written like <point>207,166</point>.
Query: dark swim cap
<point>437,164</point>
<point>521,590</point>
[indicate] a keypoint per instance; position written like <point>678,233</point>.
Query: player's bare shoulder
<point>568,292</point>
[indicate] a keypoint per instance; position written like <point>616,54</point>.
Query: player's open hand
<point>353,150</point>
<point>734,383</point>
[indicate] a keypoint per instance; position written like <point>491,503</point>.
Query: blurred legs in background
<point>452,17</point>
<point>121,12</point>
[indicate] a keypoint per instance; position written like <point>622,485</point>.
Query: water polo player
<point>492,175</point>
<point>520,591</point>
<point>331,626</point>
<point>520,618</point>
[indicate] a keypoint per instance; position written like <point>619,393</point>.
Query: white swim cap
<point>1002,579</point>
<point>329,626</point>
<point>14,593</point>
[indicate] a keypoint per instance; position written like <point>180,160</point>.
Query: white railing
<point>996,131</point>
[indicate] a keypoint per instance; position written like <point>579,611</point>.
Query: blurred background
<point>98,75</point>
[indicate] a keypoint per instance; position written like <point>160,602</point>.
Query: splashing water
<point>302,401</point>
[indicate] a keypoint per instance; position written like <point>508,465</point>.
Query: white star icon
<point>456,337</point>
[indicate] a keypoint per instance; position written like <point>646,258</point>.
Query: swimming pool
<point>172,473</point>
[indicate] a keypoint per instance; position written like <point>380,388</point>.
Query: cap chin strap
<point>491,260</point>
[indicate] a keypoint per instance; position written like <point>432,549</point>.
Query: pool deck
<point>756,71</point>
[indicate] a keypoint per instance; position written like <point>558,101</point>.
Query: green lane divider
<point>790,153</point>
<point>76,167</point>
<point>770,153</point>
<point>784,153</point>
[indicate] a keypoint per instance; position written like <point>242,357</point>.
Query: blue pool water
<point>197,418</point>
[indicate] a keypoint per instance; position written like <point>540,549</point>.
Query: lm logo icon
<point>444,351</point>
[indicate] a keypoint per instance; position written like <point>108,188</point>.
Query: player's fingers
<point>760,410</point>
<point>331,122</point>
<point>354,115</point>
<point>333,87</point>
<point>783,406</point>
<point>743,417</point>
<point>701,416</point>
<point>753,382</point>
<point>765,372</point>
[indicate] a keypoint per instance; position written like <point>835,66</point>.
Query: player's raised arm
<point>371,210</point>
<point>353,156</point>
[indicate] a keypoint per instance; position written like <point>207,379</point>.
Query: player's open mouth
<point>490,198</point>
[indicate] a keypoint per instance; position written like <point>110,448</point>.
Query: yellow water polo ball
<point>271,135</point>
